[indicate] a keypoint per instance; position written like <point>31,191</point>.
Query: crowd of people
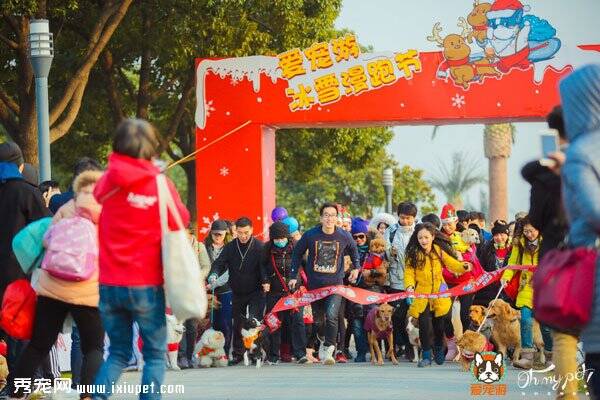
<point>119,283</point>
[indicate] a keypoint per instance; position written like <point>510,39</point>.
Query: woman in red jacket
<point>131,275</point>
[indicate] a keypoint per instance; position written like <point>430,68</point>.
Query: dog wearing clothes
<point>378,325</point>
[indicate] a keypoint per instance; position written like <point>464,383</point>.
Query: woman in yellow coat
<point>526,251</point>
<point>426,254</point>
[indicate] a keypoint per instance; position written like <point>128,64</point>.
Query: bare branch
<point>63,127</point>
<point>107,24</point>
<point>180,109</point>
<point>11,43</point>
<point>10,103</point>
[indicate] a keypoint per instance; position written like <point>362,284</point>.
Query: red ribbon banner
<point>303,297</point>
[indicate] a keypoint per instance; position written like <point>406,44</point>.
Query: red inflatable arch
<point>333,84</point>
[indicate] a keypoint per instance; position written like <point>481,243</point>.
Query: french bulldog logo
<point>488,367</point>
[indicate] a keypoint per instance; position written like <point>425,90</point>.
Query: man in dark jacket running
<point>241,257</point>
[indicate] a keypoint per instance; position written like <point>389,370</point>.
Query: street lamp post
<point>41,52</point>
<point>388,186</point>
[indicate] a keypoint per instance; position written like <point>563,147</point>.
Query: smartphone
<point>549,142</point>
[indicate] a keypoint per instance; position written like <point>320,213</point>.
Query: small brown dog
<point>469,343</point>
<point>3,371</point>
<point>477,314</point>
<point>378,325</point>
<point>506,331</point>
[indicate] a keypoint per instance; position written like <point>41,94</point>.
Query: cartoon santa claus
<point>508,35</point>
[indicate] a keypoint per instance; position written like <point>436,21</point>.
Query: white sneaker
<point>328,359</point>
<point>321,350</point>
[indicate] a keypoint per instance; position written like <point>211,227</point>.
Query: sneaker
<point>321,355</point>
<point>328,356</point>
<point>273,361</point>
<point>360,358</point>
<point>184,363</point>
<point>303,360</point>
<point>340,357</point>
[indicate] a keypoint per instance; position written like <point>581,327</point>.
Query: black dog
<point>255,339</point>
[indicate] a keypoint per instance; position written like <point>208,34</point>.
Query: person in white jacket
<point>397,237</point>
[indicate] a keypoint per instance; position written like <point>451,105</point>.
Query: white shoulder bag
<point>184,287</point>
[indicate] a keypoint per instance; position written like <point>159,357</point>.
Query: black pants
<point>466,301</point>
<point>293,322</point>
<point>592,363</point>
<point>326,317</point>
<point>188,341</point>
<point>50,315</point>
<point>342,330</point>
<point>431,329</point>
<point>254,303</point>
<point>399,320</point>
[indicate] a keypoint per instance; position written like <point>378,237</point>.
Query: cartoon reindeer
<point>456,52</point>
<point>479,22</point>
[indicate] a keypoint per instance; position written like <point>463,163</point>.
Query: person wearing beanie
<point>214,242</point>
<point>493,256</point>
<point>276,273</point>
<point>293,228</point>
<point>20,204</point>
<point>580,98</point>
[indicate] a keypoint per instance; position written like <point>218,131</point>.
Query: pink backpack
<point>71,249</point>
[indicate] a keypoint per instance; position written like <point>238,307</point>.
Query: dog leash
<point>487,313</point>
<point>212,308</point>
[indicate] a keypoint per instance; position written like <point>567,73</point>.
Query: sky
<point>398,24</point>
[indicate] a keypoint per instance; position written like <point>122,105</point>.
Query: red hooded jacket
<point>129,227</point>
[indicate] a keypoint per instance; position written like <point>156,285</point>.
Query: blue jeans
<point>526,328</point>
<point>360,337</point>
<point>120,307</point>
<point>326,317</point>
<point>223,318</point>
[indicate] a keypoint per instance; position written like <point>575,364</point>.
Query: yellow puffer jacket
<point>428,279</point>
<point>525,294</point>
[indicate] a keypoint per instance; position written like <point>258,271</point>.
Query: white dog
<point>175,330</point>
<point>209,351</point>
<point>412,328</point>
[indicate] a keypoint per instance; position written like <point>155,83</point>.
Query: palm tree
<point>462,175</point>
<point>497,144</point>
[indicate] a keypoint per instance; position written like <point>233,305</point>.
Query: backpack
<point>28,244</point>
<point>72,249</point>
<point>18,310</point>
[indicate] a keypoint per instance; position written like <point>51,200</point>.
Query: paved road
<point>340,382</point>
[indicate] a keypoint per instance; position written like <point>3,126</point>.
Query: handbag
<point>563,288</point>
<point>184,287</point>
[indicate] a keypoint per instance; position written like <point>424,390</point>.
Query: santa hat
<point>505,8</point>
<point>448,214</point>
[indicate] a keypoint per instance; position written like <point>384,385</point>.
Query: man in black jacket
<point>20,204</point>
<point>241,257</point>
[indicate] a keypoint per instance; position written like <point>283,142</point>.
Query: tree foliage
<point>146,70</point>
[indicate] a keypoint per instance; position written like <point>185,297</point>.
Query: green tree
<point>75,57</point>
<point>342,165</point>
<point>459,178</point>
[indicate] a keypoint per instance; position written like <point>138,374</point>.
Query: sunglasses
<point>359,236</point>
